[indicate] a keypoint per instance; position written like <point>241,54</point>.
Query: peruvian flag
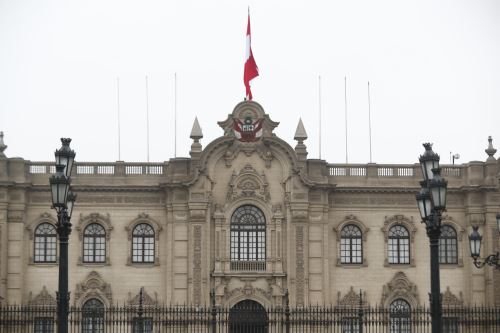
<point>251,69</point>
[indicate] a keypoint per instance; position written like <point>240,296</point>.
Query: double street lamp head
<point>432,196</point>
<point>65,156</point>
<point>62,198</point>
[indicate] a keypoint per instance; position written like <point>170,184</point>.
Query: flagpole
<point>175,114</point>
<point>345,114</point>
<point>319,104</point>
<point>369,121</point>
<point>147,117</point>
<point>118,107</point>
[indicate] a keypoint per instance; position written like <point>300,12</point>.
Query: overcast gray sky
<point>433,67</point>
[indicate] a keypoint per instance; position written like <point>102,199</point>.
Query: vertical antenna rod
<point>345,113</point>
<point>319,103</point>
<point>118,107</point>
<point>369,121</point>
<point>147,116</point>
<point>175,114</point>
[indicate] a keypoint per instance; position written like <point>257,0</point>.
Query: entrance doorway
<point>248,317</point>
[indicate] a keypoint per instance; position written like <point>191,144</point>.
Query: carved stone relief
<point>42,299</point>
<point>197,265</point>
<point>299,274</point>
<point>352,299</point>
<point>248,183</point>
<point>400,287</point>
<point>93,286</point>
<point>147,300</point>
<point>450,300</point>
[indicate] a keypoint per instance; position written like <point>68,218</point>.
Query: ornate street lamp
<point>63,202</point>
<point>431,201</point>
<point>475,240</point>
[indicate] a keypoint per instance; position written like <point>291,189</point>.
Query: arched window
<point>93,316</point>
<point>143,244</point>
<point>248,234</point>
<point>351,248</point>
<point>45,243</point>
<point>398,245</point>
<point>448,245</point>
<point>400,314</point>
<point>94,244</point>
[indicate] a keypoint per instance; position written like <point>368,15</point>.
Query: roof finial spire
<point>490,151</point>
<point>2,145</point>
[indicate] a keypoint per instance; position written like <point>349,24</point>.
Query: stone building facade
<point>248,216</point>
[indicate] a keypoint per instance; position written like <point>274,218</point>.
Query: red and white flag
<point>251,69</point>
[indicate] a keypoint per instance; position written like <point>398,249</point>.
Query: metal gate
<point>248,317</point>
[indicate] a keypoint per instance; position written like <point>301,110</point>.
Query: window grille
<point>351,245</point>
<point>398,245</point>
<point>143,244</point>
<point>248,234</point>
<point>448,245</point>
<point>94,244</point>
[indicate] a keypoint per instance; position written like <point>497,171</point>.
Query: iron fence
<point>247,319</point>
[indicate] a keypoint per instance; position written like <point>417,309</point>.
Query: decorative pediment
<point>400,219</point>
<point>352,299</point>
<point>146,299</point>
<point>85,220</point>
<point>43,218</point>
<point>400,287</point>
<point>248,291</point>
<point>93,286</point>
<point>248,183</point>
<point>42,299</point>
<point>450,300</point>
<point>351,219</point>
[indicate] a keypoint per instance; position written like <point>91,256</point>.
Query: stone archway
<point>248,316</point>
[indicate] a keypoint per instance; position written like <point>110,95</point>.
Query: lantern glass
<point>498,221</point>
<point>475,243</point>
<point>71,203</point>
<point>438,188</point>
<point>424,202</point>
<point>59,186</point>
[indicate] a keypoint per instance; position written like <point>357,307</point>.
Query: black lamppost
<point>63,201</point>
<point>475,248</point>
<point>431,203</point>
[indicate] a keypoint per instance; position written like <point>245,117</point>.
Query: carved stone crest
<point>248,183</point>
<point>400,287</point>
<point>93,286</point>
<point>147,300</point>
<point>42,299</point>
<point>352,299</point>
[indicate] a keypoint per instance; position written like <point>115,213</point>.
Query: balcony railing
<point>241,265</point>
<point>101,168</point>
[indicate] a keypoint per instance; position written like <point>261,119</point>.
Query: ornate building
<point>249,217</point>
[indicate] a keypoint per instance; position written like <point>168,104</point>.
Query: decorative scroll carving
<point>248,290</point>
<point>450,300</point>
<point>197,266</point>
<point>400,287</point>
<point>300,274</point>
<point>42,299</point>
<point>351,299</point>
<point>93,287</point>
<point>146,299</point>
<point>248,183</point>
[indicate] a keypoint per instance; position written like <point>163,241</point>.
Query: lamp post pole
<point>431,203</point>
<point>63,202</point>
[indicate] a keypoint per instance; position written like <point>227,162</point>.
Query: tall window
<point>398,245</point>
<point>248,234</point>
<point>45,243</point>
<point>143,244</point>
<point>448,245</point>
<point>93,316</point>
<point>94,243</point>
<point>400,316</point>
<point>351,251</point>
